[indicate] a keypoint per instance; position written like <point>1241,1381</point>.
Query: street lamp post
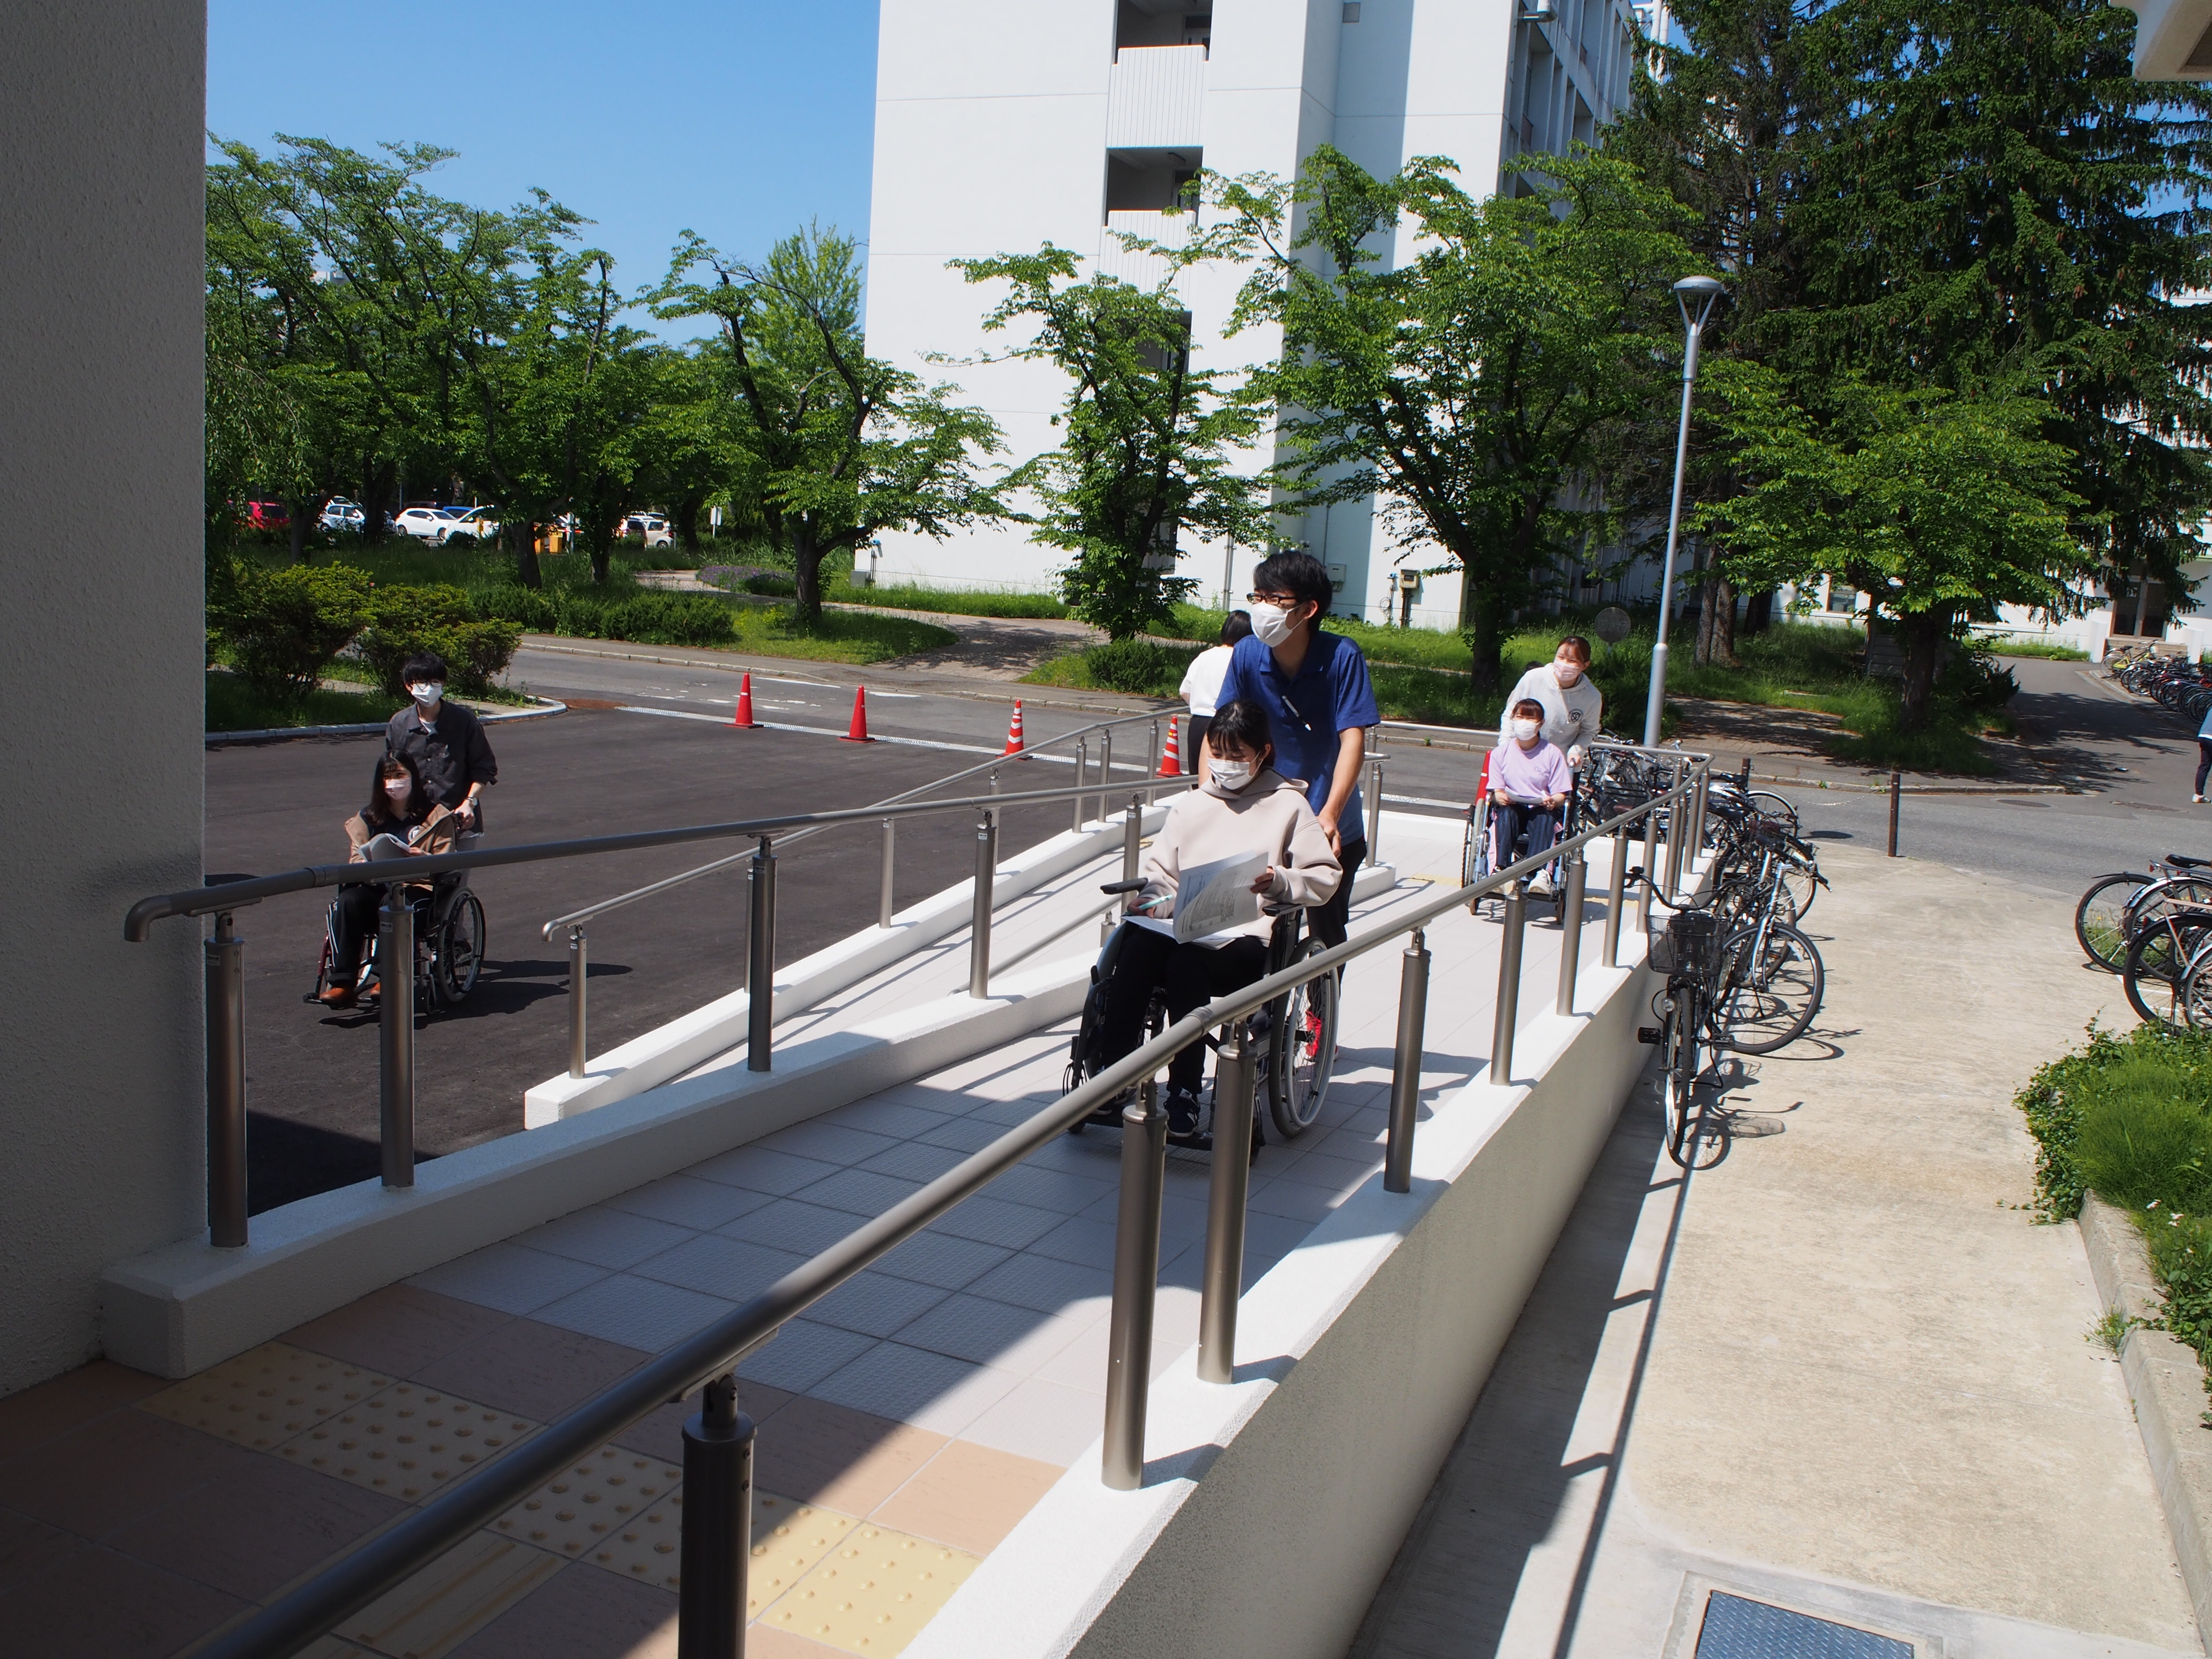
<point>1707,291</point>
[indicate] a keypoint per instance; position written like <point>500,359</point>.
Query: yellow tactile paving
<point>407,1441</point>
<point>874,1592</point>
<point>788,1538</point>
<point>266,1395</point>
<point>451,1599</point>
<point>599,1496</point>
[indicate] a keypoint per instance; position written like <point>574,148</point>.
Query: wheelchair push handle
<point>1123,887</point>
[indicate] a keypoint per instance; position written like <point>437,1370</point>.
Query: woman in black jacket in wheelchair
<point>1243,807</point>
<point>398,807</point>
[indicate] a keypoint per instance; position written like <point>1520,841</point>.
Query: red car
<point>267,515</point>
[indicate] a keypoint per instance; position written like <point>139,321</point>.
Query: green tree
<point>1151,445</point>
<point>847,445</point>
<point>1941,507</point>
<point>1471,388</point>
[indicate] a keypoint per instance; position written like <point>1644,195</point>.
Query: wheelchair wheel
<point>457,955</point>
<point>1301,1054</point>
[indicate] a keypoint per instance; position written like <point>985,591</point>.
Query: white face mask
<point>428,695</point>
<point>1524,730</point>
<point>398,788</point>
<point>1567,672</point>
<point>1271,623</point>
<point>1231,776</point>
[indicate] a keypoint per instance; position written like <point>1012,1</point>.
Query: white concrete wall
<point>101,108</point>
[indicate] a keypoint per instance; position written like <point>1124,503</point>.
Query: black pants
<point>353,920</point>
<point>1200,724</point>
<point>1188,975</point>
<point>1329,922</point>
<point>2203,764</point>
<point>1541,823</point>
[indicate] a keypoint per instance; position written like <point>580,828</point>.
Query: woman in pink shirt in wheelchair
<point>1529,783</point>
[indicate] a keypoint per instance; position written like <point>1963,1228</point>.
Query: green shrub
<point>281,628</point>
<point>1134,665</point>
<point>637,614</point>
<point>406,621</point>
<point>2109,1116</point>
<point>952,601</point>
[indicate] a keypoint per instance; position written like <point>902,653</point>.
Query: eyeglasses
<point>1286,600</point>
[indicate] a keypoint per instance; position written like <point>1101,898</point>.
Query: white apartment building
<point>1067,120</point>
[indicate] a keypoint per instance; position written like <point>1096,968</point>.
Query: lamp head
<point>1705,292</point>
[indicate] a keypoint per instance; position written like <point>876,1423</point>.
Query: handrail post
<point>1132,830</point>
<point>395,996</point>
<point>884,887</point>
<point>1509,988</point>
<point>576,977</point>
<point>1374,809</point>
<point>1701,779</point>
<point>1153,752</point>
<point>760,960</point>
<point>1082,766</point>
<point>1136,1284</point>
<point>1105,768</point>
<point>1222,1278</point>
<point>979,925</point>
<point>1615,891</point>
<point>716,1542</point>
<point>1405,1067</point>
<point>1677,823</point>
<point>1571,932</point>
<point>1650,866</point>
<point>226,1086</point>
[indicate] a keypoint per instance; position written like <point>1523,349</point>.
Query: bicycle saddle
<point>2183,861</point>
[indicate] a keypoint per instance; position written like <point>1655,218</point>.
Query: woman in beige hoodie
<point>1243,807</point>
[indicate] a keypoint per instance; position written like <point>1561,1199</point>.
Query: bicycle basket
<point>1689,945</point>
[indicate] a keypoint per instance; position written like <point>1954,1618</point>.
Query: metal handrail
<point>229,896</point>
<point>708,1356</point>
<point>576,917</point>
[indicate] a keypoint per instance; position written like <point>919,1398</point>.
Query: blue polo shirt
<point>1305,715</point>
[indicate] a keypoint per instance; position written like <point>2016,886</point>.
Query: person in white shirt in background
<point>1573,705</point>
<point>1202,683</point>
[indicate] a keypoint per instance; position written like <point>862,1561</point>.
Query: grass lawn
<point>233,707</point>
<point>571,603</point>
<point>949,601</point>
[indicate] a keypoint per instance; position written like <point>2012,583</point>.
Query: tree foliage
<point>1472,387</point>
<point>1152,445</point>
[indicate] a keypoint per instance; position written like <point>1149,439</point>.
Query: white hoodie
<point>1269,815</point>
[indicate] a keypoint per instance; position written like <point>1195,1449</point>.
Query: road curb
<point>2166,1383</point>
<point>281,733</point>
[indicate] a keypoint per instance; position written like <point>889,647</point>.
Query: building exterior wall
<point>995,137</point>
<point>102,110</point>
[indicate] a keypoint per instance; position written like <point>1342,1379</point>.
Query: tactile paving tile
<point>788,1537</point>
<point>600,1496</point>
<point>266,1395</point>
<point>407,1441</point>
<point>1734,1628</point>
<point>874,1592</point>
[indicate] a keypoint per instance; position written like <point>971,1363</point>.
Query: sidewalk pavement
<point>1841,1371</point>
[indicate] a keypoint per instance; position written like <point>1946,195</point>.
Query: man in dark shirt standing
<point>444,741</point>
<point>1320,703</point>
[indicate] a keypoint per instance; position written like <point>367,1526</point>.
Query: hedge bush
<point>406,621</point>
<point>647,618</point>
<point>282,627</point>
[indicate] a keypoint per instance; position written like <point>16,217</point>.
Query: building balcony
<point>1156,98</point>
<point>1143,269</point>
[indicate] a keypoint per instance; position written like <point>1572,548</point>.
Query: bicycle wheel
<point>2194,995</point>
<point>1768,1003</point>
<point>459,958</point>
<point>1768,804</point>
<point>2100,919</point>
<point>2156,964</point>
<point>1799,883</point>
<point>1301,1054</point>
<point>1678,1080</point>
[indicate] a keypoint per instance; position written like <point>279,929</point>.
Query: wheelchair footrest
<point>1650,1034</point>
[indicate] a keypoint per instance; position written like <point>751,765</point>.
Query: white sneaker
<point>2199,799</point>
<point>1540,885</point>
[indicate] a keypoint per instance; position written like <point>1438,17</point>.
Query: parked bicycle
<point>2101,922</point>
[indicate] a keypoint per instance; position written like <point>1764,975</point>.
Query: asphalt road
<point>597,769</point>
<point>311,1073</point>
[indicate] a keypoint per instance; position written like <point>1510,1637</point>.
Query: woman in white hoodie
<point>1243,807</point>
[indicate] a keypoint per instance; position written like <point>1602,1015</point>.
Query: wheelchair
<point>1480,854</point>
<point>1291,1040</point>
<point>449,945</point>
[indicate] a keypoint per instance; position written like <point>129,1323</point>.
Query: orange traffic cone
<point>1014,744</point>
<point>858,731</point>
<point>743,717</point>
<point>1171,762</point>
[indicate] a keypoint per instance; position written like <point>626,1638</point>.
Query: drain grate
<point>1737,1629</point>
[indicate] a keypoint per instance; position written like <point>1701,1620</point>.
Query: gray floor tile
<point>911,1385</point>
<point>974,1327</point>
<point>993,1221</point>
<point>1061,1190</point>
<point>1085,1239</point>
<point>763,1170</point>
<point>939,1260</point>
<point>605,1238</point>
<point>903,1119</point>
<point>875,1303</point>
<point>509,1278</point>
<point>802,1354</point>
<point>827,1142</point>
<point>858,1192</point>
<point>789,1224</point>
<point>915,1161</point>
<point>702,1206</point>
<point>1044,1283</point>
<point>728,1268</point>
<point>638,1313</point>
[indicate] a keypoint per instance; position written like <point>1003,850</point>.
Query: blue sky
<point>739,119</point>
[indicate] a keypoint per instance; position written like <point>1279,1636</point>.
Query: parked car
<point>470,521</point>
<point>426,524</point>
<point>652,528</point>
<point>267,515</point>
<point>340,514</point>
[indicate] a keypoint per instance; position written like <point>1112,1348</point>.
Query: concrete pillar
<point>101,277</point>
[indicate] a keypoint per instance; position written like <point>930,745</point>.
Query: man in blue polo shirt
<point>1319,702</point>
